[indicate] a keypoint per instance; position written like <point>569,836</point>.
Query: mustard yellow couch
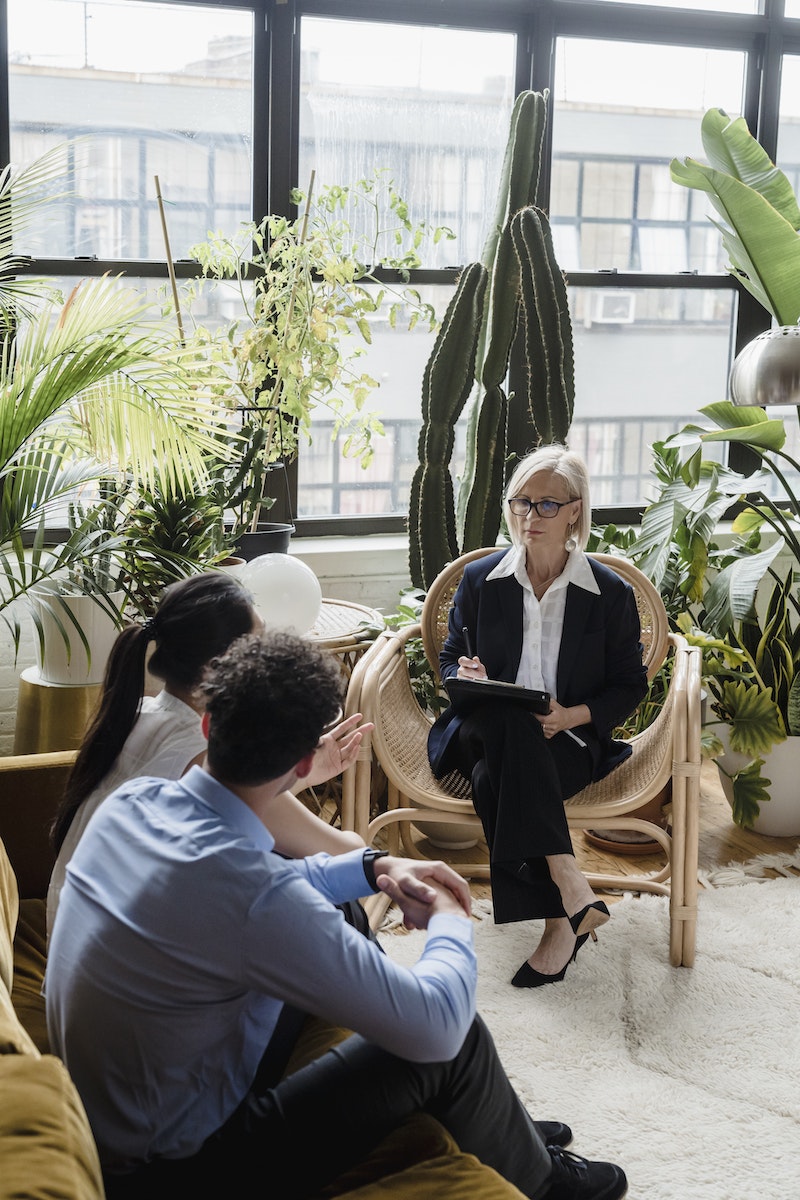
<point>46,1145</point>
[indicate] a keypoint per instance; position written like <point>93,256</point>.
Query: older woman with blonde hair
<point>545,615</point>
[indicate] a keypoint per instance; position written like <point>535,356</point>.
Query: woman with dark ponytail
<point>133,734</point>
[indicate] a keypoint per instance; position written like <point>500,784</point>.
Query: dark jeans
<point>288,1141</point>
<point>520,781</point>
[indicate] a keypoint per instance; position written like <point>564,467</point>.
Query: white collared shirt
<point>543,620</point>
<point>165,739</point>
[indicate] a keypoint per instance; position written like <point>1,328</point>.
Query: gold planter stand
<point>51,716</point>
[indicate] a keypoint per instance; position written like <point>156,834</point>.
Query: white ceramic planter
<point>780,817</point>
<point>71,665</point>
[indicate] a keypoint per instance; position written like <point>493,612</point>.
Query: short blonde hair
<point>567,466</point>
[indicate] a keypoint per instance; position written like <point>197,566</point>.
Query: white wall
<point>371,571</point>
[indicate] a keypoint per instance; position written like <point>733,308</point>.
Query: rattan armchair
<point>668,750</point>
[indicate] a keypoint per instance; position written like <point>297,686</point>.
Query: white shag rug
<point>688,1078</point>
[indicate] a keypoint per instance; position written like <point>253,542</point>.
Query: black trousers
<point>288,1141</point>
<point>520,781</point>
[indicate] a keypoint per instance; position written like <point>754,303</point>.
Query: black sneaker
<point>575,1178</point>
<point>554,1133</point>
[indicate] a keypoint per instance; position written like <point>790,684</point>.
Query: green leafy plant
<point>426,687</point>
<point>738,602</point>
<point>758,207</point>
<point>87,385</point>
<point>308,294</point>
<point>169,535</point>
<point>160,535</point>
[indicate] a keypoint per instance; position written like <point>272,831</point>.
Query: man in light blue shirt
<point>181,939</point>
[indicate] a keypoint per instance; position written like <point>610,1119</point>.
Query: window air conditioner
<point>614,308</point>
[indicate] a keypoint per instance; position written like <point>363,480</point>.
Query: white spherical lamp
<point>285,591</point>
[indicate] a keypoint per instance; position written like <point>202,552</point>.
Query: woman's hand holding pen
<point>469,665</point>
<point>561,719</point>
<point>554,721</point>
<point>471,668</point>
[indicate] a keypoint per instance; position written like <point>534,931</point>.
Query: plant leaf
<point>731,595</point>
<point>732,149</point>
<point>750,791</point>
<point>760,221</point>
<point>754,718</point>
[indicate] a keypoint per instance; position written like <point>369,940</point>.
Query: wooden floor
<point>721,842</point>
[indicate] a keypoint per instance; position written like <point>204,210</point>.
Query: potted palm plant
<point>86,384</point>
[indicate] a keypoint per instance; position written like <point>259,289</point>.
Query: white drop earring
<point>571,543</point>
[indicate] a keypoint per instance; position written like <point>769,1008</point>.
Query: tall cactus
<point>549,355</point>
<point>520,290</point>
<point>446,385</point>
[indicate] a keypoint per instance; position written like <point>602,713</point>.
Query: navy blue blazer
<point>599,663</point>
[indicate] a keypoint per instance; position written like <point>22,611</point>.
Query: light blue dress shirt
<point>179,936</point>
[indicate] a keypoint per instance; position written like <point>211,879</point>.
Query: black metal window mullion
<point>5,111</point>
<point>143,204</point>
<point>765,38</point>
<point>634,250</point>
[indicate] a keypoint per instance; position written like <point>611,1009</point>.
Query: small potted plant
<point>307,294</point>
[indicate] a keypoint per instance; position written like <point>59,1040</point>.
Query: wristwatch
<point>368,860</point>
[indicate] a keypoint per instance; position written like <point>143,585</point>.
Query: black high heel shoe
<point>590,917</point>
<point>528,977</point>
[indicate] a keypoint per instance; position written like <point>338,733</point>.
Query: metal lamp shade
<point>767,371</point>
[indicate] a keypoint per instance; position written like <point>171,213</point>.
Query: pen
<point>467,642</point>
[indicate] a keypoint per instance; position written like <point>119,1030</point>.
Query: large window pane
<point>329,483</point>
<point>645,362</point>
<point>157,90</point>
<point>789,128</point>
<point>430,105</point>
<point>622,112</point>
<point>729,6</point>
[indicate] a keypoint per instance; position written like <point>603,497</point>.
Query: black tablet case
<point>465,694</point>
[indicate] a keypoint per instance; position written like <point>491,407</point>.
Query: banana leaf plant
<point>759,224</point>
<point>760,216</point>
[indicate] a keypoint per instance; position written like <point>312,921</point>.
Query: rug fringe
<point>758,870</point>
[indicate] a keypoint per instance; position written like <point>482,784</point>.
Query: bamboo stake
<point>274,415</point>
<point>170,264</point>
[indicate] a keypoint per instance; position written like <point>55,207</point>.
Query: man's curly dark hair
<point>269,699</point>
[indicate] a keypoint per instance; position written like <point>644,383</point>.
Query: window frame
<point>763,37</point>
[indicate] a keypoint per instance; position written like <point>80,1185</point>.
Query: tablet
<point>465,694</point>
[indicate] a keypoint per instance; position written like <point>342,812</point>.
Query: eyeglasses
<point>521,506</point>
